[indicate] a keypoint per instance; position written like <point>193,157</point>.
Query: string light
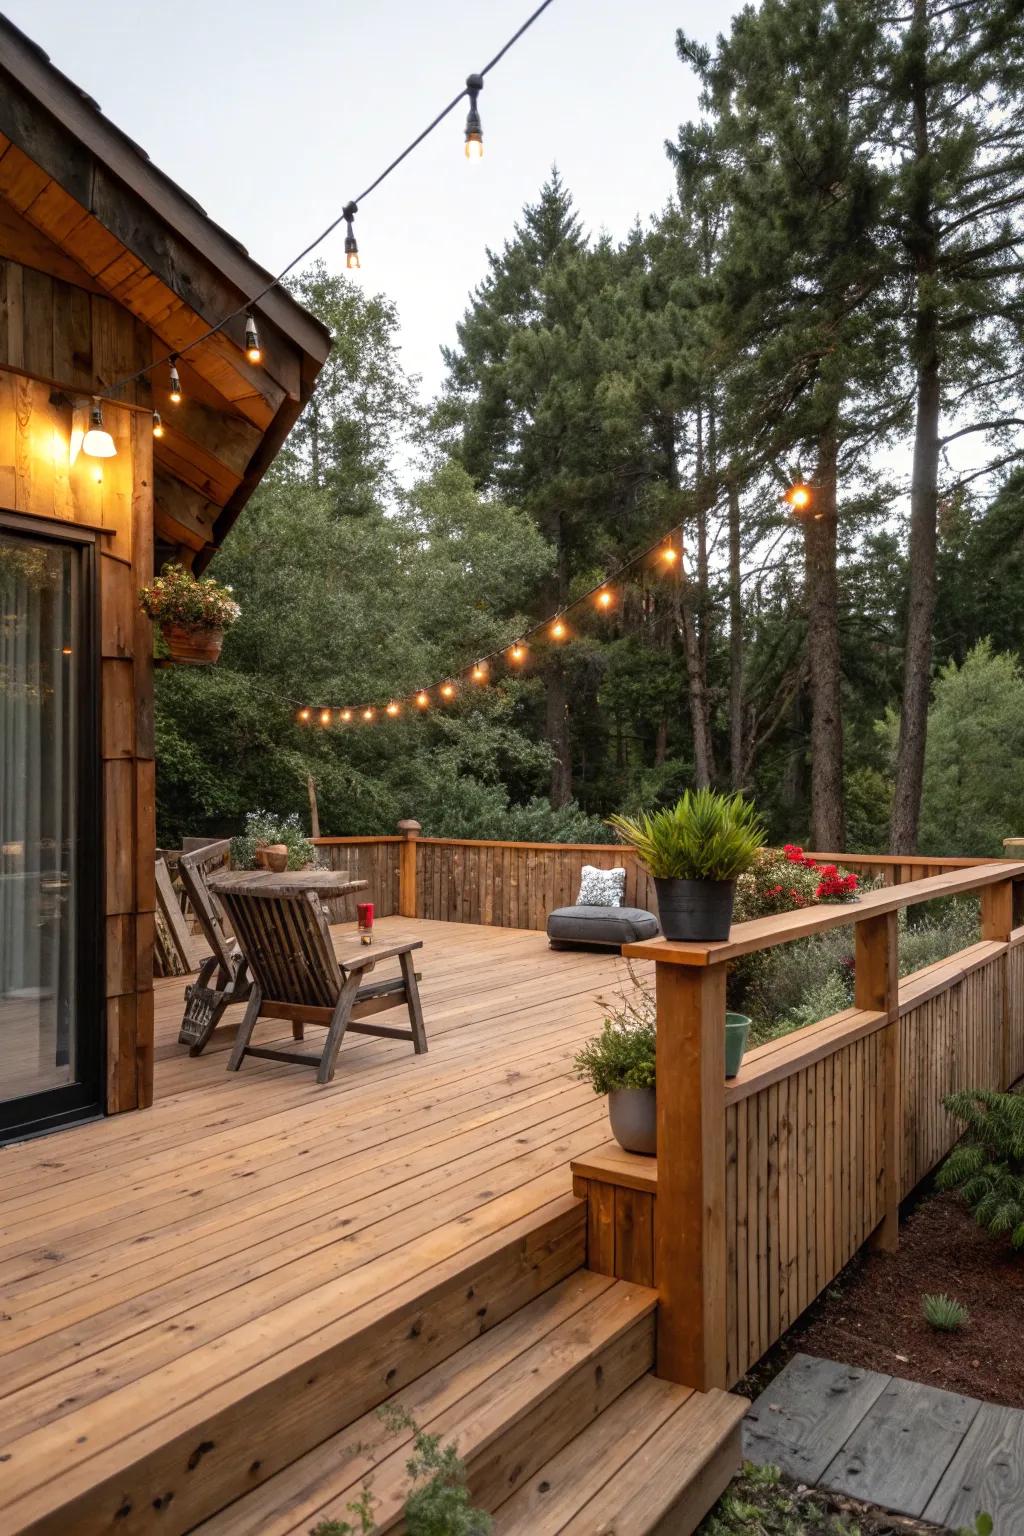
<point>158,426</point>
<point>351,243</point>
<point>474,150</point>
<point>304,714</point>
<point>325,717</point>
<point>474,128</point>
<point>346,716</point>
<point>668,550</point>
<point>253,350</point>
<point>175,381</point>
<point>97,442</point>
<point>800,497</point>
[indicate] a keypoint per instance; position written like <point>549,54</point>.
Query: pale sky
<point>273,115</point>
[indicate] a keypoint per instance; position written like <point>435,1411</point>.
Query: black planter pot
<point>695,911</point>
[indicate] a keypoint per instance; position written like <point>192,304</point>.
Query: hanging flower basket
<point>192,613</point>
<point>193,647</point>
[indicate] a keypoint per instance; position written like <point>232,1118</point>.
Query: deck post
<point>689,1214</point>
<point>876,988</point>
<point>410,831</point>
<point>999,907</point>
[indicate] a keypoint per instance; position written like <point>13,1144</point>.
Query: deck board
<point>144,1256</point>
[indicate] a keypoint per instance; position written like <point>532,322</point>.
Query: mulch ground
<point>871,1315</point>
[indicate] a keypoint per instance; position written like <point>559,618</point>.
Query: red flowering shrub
<point>787,881</point>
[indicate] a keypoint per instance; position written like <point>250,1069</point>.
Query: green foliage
<point>944,1313</point>
<point>622,1055</point>
<point>263,828</point>
<point>774,883</point>
<point>704,836</point>
<point>931,933</point>
<point>178,597</point>
<point>987,1167</point>
<point>762,1502</point>
<point>976,719</point>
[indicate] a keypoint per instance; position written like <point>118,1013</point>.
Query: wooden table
<point>328,883</point>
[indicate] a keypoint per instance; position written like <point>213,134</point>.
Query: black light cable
<point>473,86</point>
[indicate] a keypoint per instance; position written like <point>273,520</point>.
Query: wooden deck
<point>907,1447</point>
<point>151,1260</point>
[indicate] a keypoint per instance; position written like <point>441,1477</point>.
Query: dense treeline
<point>834,294</point>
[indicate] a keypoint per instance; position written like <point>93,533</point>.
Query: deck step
<point>237,1431</point>
<point>654,1461</point>
<point>509,1401</point>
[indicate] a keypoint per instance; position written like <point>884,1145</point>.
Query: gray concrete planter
<point>634,1119</point>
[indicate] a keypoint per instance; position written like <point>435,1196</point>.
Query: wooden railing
<point>516,885</point>
<point>767,1185</point>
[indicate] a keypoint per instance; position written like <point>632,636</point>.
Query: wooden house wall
<point>61,332</point>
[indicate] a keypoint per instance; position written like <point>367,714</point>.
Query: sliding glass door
<point>50,949</point>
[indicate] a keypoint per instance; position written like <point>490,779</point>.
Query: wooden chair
<point>285,940</point>
<point>224,976</point>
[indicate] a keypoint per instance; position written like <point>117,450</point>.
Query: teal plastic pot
<point>737,1027</point>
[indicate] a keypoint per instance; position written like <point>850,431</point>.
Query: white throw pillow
<point>601,887</point>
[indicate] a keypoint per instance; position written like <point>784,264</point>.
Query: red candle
<point>364,919</point>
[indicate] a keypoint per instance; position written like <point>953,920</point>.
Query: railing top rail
<point>894,860</point>
<point>766,932</point>
<point>389,837</point>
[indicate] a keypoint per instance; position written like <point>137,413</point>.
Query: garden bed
<point>762,1502</point>
<point>871,1315</point>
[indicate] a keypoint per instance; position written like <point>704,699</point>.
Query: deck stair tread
<point>507,1400</point>
<point>654,1461</point>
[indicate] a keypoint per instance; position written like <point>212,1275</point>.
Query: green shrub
<point>704,836</point>
<point>786,985</point>
<point>622,1055</point>
<point>262,828</point>
<point>987,1168</point>
<point>943,1313</point>
<point>937,932</point>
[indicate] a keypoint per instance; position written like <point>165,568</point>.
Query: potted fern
<point>695,850</point>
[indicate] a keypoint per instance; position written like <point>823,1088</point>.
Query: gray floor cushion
<point>605,927</point>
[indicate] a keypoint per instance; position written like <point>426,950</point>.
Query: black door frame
<point>36,1113</point>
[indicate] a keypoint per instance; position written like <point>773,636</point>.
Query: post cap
<point>410,828</point>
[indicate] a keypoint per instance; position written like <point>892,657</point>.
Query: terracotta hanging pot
<point>194,647</point>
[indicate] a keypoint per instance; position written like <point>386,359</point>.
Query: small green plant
<point>704,836</point>
<point>983,1525</point>
<point>178,597</point>
<point>944,1313</point>
<point>437,1503</point>
<point>987,1168</point>
<point>263,828</point>
<point>622,1055</point>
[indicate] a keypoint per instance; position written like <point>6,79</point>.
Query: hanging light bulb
<point>175,381</point>
<point>325,717</point>
<point>670,554</point>
<point>447,690</point>
<point>474,129</point>
<point>558,630</point>
<point>158,425</point>
<point>479,673</point>
<point>800,497</point>
<point>604,598</point>
<point>346,716</point>
<point>351,243</point>
<point>367,714</point>
<point>422,699</point>
<point>253,350</point>
<point>517,653</point>
<point>392,709</point>
<point>97,442</point>
<point>304,715</point>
